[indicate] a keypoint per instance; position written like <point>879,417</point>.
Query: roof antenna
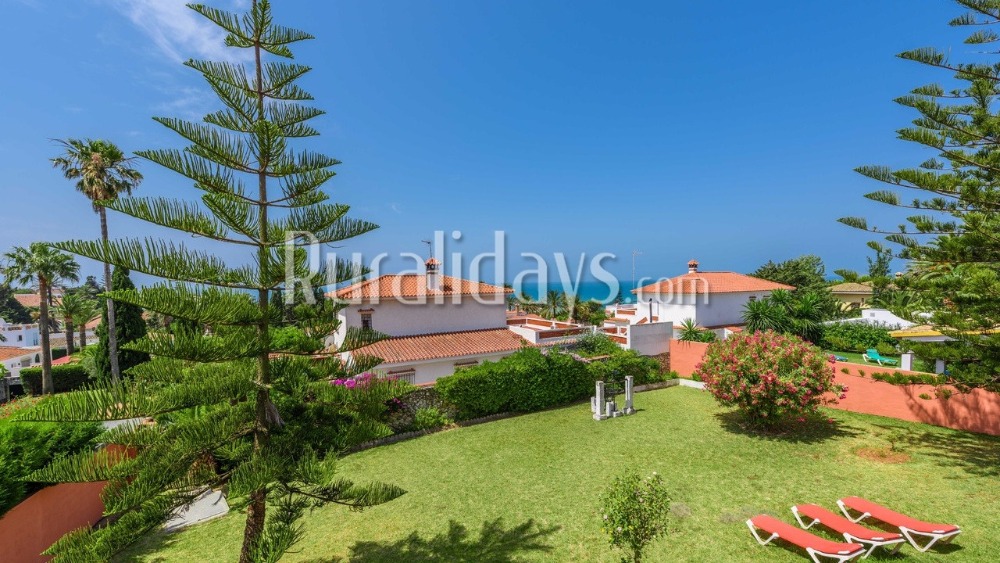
<point>430,248</point>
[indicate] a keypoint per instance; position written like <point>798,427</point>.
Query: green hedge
<point>897,378</point>
<point>858,337</point>
<point>68,377</point>
<point>529,381</point>
<point>58,353</point>
<point>28,446</point>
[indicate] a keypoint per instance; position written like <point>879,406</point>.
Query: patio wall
<point>33,525</point>
<point>977,411</point>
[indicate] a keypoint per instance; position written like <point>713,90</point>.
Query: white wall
<point>19,336</point>
<point>725,308</point>
<point>650,339</point>
<point>879,316</point>
<point>431,371</point>
<point>400,319</point>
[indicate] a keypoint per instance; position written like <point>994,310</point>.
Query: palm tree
<point>89,310</point>
<point>689,331</point>
<point>70,310</point>
<point>42,266</point>
<point>764,314</point>
<point>102,172</point>
<point>553,304</point>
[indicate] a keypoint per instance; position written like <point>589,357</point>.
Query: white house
<point>14,359</point>
<point>435,323</point>
<point>18,336</point>
<point>713,300</point>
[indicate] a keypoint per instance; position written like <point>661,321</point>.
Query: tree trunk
<point>43,329</point>
<point>69,337</point>
<point>83,336</point>
<point>112,329</point>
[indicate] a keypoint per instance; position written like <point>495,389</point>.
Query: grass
<point>526,488</point>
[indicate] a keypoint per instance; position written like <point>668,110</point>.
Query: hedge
<point>68,377</point>
<point>530,380</point>
<point>58,353</point>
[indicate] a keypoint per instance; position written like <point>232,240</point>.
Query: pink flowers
<point>352,382</point>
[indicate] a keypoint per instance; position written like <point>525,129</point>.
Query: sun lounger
<point>909,527</point>
<point>852,532</point>
<point>814,545</point>
<point>872,355</point>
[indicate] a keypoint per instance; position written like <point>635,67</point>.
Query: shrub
<point>524,381</point>
<point>897,378</point>
<point>845,371</point>
<point>29,446</point>
<point>943,392</point>
<point>429,417</point>
<point>596,344</point>
<point>857,336</point>
<point>769,377</point>
<point>634,512</point>
<point>58,353</point>
<point>924,396</point>
<point>861,373</point>
<point>624,363</point>
<point>67,377</point>
<point>887,350</point>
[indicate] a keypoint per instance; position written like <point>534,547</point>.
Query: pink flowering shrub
<point>769,377</point>
<point>363,380</point>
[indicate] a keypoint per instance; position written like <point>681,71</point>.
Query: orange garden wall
<point>32,526</point>
<point>977,411</point>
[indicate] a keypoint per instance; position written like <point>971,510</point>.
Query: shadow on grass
<point>495,544</point>
<point>810,432</point>
<point>973,453</point>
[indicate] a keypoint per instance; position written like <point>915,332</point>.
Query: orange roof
<point>711,282</point>
<point>29,300</point>
<point>403,349</point>
<point>410,286</point>
<point>7,353</point>
<point>853,288</point>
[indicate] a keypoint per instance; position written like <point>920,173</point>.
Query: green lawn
<point>526,488</point>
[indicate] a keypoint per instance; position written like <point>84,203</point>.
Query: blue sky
<point>726,134</point>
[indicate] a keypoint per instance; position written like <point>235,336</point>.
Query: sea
<point>586,290</point>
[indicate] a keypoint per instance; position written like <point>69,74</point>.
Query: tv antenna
<point>430,248</point>
<point>634,254</point>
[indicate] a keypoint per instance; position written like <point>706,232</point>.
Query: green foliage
<point>857,336</point>
<point>769,378</point>
<point>524,381</point>
<point>952,206</point>
<point>800,313</point>
<point>803,273</point>
<point>430,417</point>
<point>691,332</point>
<point>595,344</point>
<point>11,309</point>
<point>233,409</point>
<point>634,512</point>
<point>129,325</point>
<point>25,448</point>
<point>899,378</point>
<point>624,363</point>
<point>67,377</point>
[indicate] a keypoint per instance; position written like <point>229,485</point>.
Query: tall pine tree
<point>232,410</point>
<point>130,326</point>
<point>951,226</point>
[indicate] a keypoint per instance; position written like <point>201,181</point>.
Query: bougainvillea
<point>770,378</point>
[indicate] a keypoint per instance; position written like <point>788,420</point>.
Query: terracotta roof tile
<point>7,353</point>
<point>852,287</point>
<point>29,300</point>
<point>403,349</point>
<point>711,282</point>
<point>412,286</point>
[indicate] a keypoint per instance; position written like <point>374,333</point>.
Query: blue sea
<point>586,290</point>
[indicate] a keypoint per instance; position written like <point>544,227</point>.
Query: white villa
<point>18,336</point>
<point>436,323</point>
<point>713,300</point>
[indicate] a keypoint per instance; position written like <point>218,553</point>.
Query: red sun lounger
<point>852,532</point>
<point>909,527</point>
<point>814,545</point>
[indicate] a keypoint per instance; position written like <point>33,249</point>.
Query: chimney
<point>433,274</point>
<point>693,267</point>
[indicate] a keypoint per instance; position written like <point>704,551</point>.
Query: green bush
<point>634,513</point>
<point>897,378</point>
<point>887,350</point>
<point>430,417</point>
<point>524,381</point>
<point>28,446</point>
<point>624,363</point>
<point>596,344</point>
<point>58,353</point>
<point>857,336</point>
<point>68,377</point>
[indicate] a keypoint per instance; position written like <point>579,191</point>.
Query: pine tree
<point>130,326</point>
<point>951,224</point>
<point>230,408</point>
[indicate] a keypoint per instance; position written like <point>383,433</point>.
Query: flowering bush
<point>769,377</point>
<point>634,512</point>
<point>362,380</point>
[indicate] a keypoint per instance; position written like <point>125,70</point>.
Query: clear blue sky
<point>725,132</point>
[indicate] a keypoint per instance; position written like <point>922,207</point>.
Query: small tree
<point>634,513</point>
<point>770,378</point>
<point>129,327</point>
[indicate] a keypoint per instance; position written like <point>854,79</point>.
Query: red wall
<point>44,517</point>
<point>685,356</point>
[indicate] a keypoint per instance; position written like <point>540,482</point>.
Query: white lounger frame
<point>813,554</point>
<point>850,538</point>
<point>943,537</point>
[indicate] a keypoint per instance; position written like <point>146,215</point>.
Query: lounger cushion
<point>803,538</point>
<point>896,519</point>
<point>843,525</point>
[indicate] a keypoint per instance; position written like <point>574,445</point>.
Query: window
<point>466,364</point>
<point>20,337</point>
<point>366,319</point>
<point>407,375</point>
<point>753,298</point>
